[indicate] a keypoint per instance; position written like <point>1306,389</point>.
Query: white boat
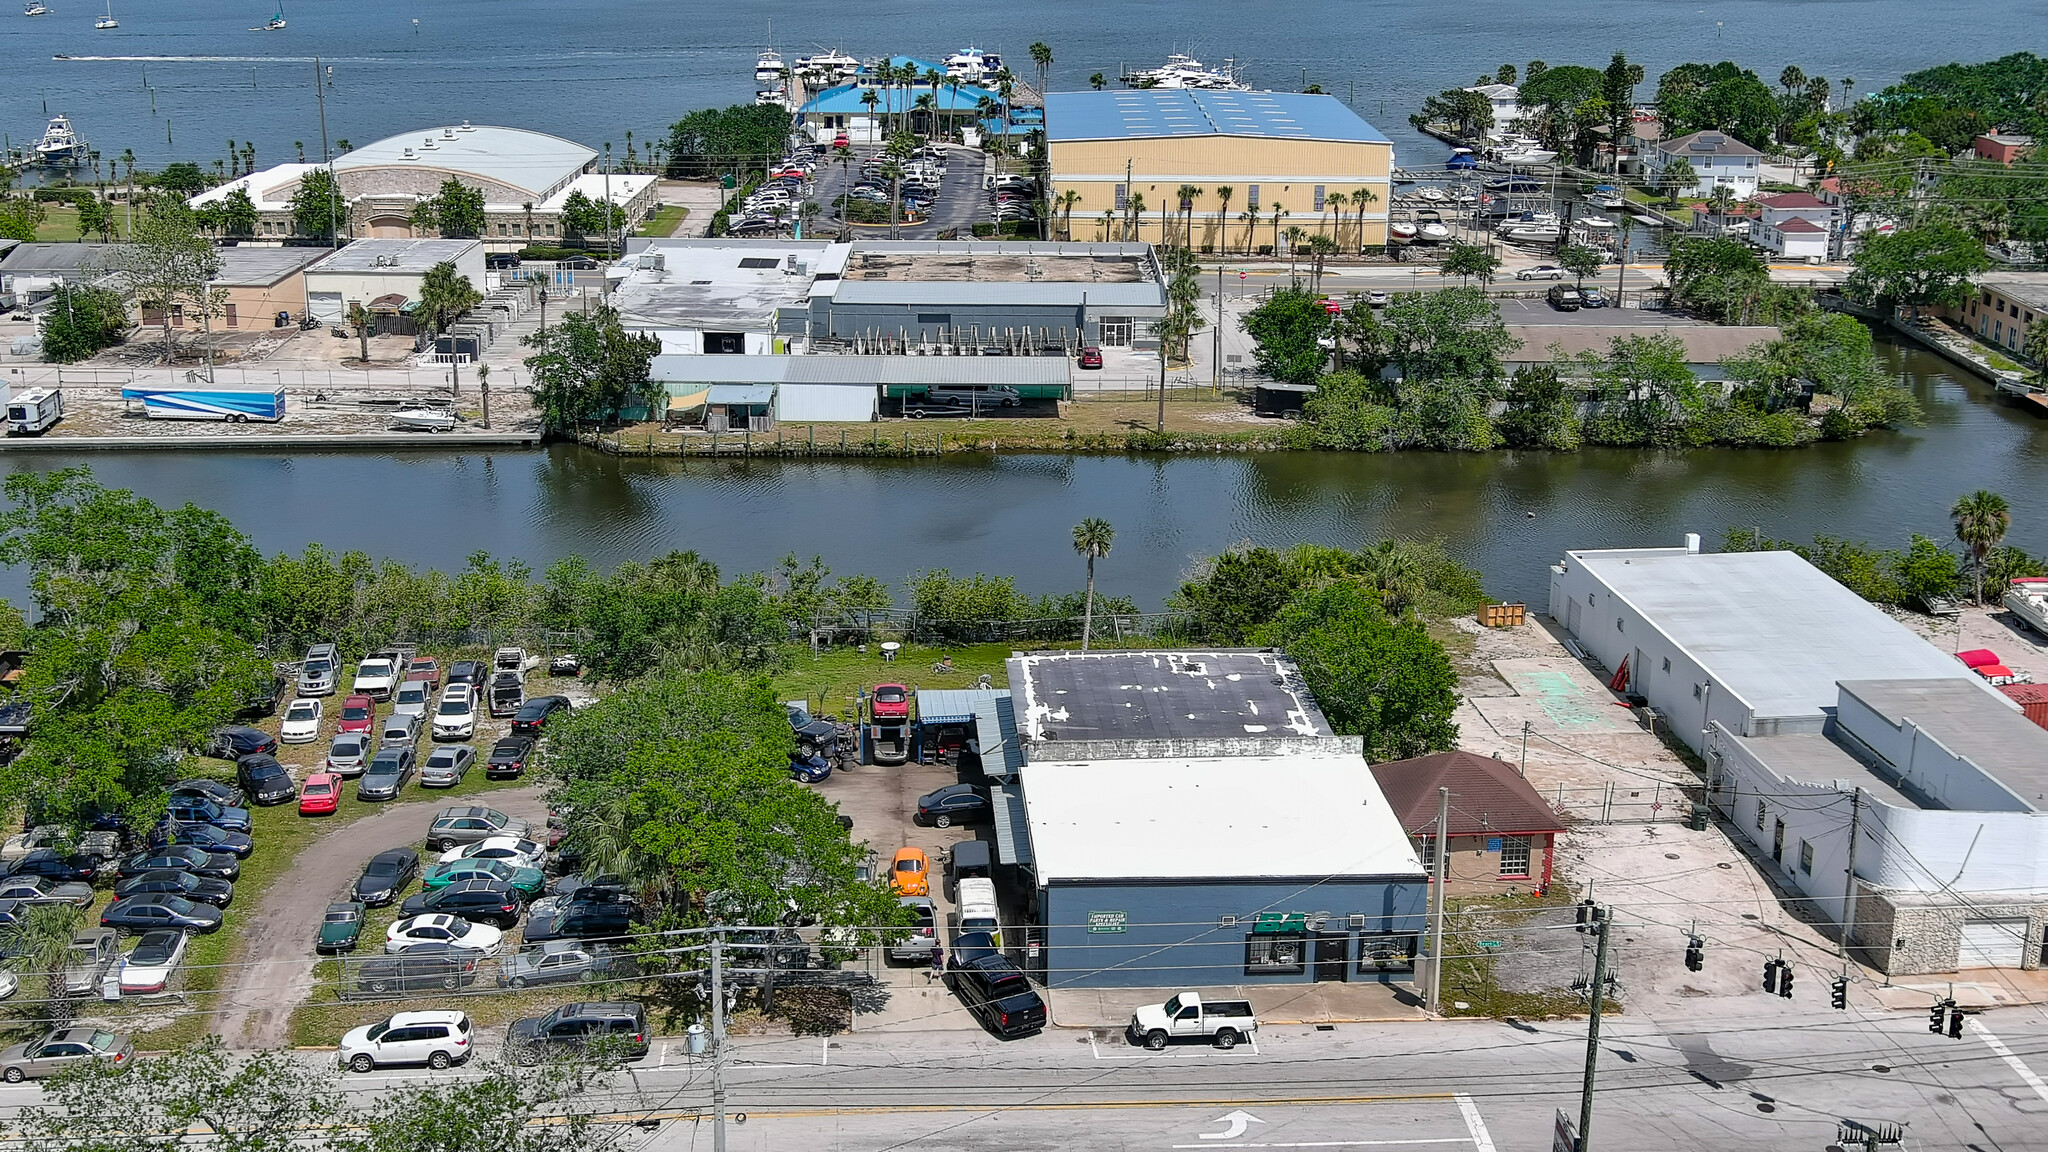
<point>108,20</point>
<point>1529,233</point>
<point>1182,71</point>
<point>775,96</point>
<point>1430,194</point>
<point>1606,196</point>
<point>61,147</point>
<point>1528,156</point>
<point>973,65</point>
<point>833,65</point>
<point>422,420</point>
<point>1432,230</point>
<point>1401,229</point>
<point>1597,223</point>
<point>768,67</point>
<point>35,8</point>
<point>2027,598</point>
<point>275,23</point>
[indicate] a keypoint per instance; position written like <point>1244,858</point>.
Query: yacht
<point>275,23</point>
<point>1596,223</point>
<point>1605,196</point>
<point>1430,194</point>
<point>107,21</point>
<point>775,96</point>
<point>1527,156</point>
<point>1462,160</point>
<point>1181,71</point>
<point>35,8</point>
<point>1529,233</point>
<point>829,66</point>
<point>61,147</point>
<point>1401,229</point>
<point>973,65</point>
<point>768,67</point>
<point>1430,226</point>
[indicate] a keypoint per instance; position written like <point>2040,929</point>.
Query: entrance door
<point>1571,616</point>
<point>1333,956</point>
<point>1992,943</point>
<point>1117,331</point>
<point>1778,842</point>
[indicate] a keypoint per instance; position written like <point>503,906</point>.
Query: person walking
<point>938,960</point>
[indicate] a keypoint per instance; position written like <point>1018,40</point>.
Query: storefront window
<point>1275,954</point>
<point>1380,952</point>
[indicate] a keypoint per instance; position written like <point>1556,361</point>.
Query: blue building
<point>933,104</point>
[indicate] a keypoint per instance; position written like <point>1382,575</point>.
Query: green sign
<point>1108,921</point>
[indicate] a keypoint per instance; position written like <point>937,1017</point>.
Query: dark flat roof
<point>1972,723</point>
<point>1221,694</point>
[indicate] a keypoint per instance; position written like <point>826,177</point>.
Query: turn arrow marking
<point>1237,1121</point>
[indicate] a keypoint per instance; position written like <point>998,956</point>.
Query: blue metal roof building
<point>1133,114</point>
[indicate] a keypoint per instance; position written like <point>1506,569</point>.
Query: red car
<point>320,795</point>
<point>358,714</point>
<point>1091,357</point>
<point>840,141</point>
<point>426,668</point>
<point>890,702</point>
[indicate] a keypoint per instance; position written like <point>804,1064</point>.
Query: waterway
<point>177,81</point>
<point>1510,514</point>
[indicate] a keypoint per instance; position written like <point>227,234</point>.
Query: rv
<point>34,410</point>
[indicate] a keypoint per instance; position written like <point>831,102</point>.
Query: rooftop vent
<point>447,133</point>
<point>466,127</point>
<point>428,144</point>
<point>409,155</point>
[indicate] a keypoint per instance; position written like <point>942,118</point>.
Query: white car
<point>441,928</point>
<point>1541,272</point>
<point>301,722</point>
<point>373,678</point>
<point>436,1039</point>
<point>1376,299</point>
<point>155,957</point>
<point>9,983</point>
<point>455,719</point>
<point>414,696</point>
<point>511,849</point>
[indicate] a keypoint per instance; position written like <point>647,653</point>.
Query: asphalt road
<point>1746,1072</point>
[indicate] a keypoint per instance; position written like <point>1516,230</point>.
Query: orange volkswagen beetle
<point>910,872</point>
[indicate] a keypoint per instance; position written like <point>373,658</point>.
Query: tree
<point>455,210</point>
<point>1092,539</point>
<point>1384,680</point>
<point>183,178</point>
<point>1285,331</point>
<point>1678,176</point>
<point>1187,194</point>
<point>38,943</point>
<point>1981,520</point>
<point>266,1102</point>
<point>20,217</point>
<point>80,321</point>
<point>237,214</point>
<point>1233,595</point>
<point>1581,260</point>
<point>445,294</point>
<point>1923,266</point>
<point>588,368</point>
<point>713,141</point>
<point>553,1108</point>
<point>582,216</point>
<point>359,318</point>
<point>1224,193</point>
<point>1467,114</point>
<point>95,216</point>
<point>318,208</point>
<point>1041,59</point>
<point>166,263</point>
<point>1469,261</point>
<point>1097,81</point>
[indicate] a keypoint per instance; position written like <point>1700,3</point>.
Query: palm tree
<point>1679,174</point>
<point>527,207</point>
<point>630,162</point>
<point>1981,521</point>
<point>301,146</point>
<point>869,98</point>
<point>1295,235</point>
<point>40,944</point>
<point>1188,194</point>
<point>929,105</point>
<point>1278,212</point>
<point>953,105</point>
<point>360,320</point>
<point>1108,215</point>
<point>1066,203</point>
<point>1223,194</point>
<point>1720,200</point>
<point>1360,200</point>
<point>1250,219</point>
<point>1041,58</point>
<point>808,214</point>
<point>1134,215</point>
<point>1097,82</point>
<point>1093,538</point>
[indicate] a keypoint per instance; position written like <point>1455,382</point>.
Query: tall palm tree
<point>953,105</point>
<point>1223,194</point>
<point>1066,203</point>
<point>1134,215</point>
<point>869,98</point>
<point>1097,82</point>
<point>1188,194</point>
<point>1108,215</point>
<point>1250,219</point>
<point>1295,235</point>
<point>1093,538</point>
<point>301,146</point>
<point>1360,200</point>
<point>1278,213</point>
<point>1041,58</point>
<point>929,105</point>
<point>527,207</point>
<point>1981,521</point>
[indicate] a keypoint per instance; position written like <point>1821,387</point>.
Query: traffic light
<point>1770,975</point>
<point>1937,1016</point>
<point>1784,980</point>
<point>1585,913</point>
<point>1695,953</point>
<point>1839,996</point>
<point>1955,1021</point>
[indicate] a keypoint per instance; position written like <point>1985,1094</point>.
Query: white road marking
<point>2015,1063</point>
<point>1338,1143</point>
<point>1482,1142</point>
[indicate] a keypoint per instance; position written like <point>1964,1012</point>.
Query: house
<point>1781,206</point>
<point>1793,239</point>
<point>2001,147</point>
<point>1706,345</point>
<point>1502,838</point>
<point>262,282</point>
<point>1716,159</point>
<point>1506,100</point>
<point>2004,306</point>
<point>364,270</point>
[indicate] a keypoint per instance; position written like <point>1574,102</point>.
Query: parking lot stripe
<point>1481,1141</point>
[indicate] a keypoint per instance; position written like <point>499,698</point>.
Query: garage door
<point>796,402</point>
<point>1993,944</point>
<point>325,307</point>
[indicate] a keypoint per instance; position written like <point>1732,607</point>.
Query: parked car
<point>533,715</point>
<point>264,700</point>
<point>923,935</point>
<point>528,882</point>
<point>400,730</point>
<point>436,1039</point>
<point>237,741</point>
<point>997,993</point>
<point>376,677</point>
<point>425,668</point>
<point>1542,272</point>
<point>601,885</point>
<point>414,698</point>
<point>341,926</point>
<point>86,959</point>
<point>160,910</point>
<point>63,1049</point>
<point>61,867</point>
<point>814,736</point>
<point>441,928</point>
<point>983,396</point>
<point>455,717</point>
<point>266,780</point>
<point>954,804</point>
<point>910,872</point>
<point>511,849</point>
<point>1187,1017</point>
<point>470,672</point>
<point>153,961</point>
<point>617,1030</point>
<point>387,774</point>
<point>185,858</point>
<point>492,902</point>
<point>317,671</point>
<point>1091,357</point>
<point>467,824</point>
<point>301,724</point>
<point>1377,299</point>
<point>508,757</point>
<point>220,792</point>
<point>507,693</point>
<point>204,837</point>
<point>200,810</point>
<point>417,969</point>
<point>1563,297</point>
<point>350,754</point>
<point>890,702</point>
<point>447,765</point>
<point>563,918</point>
<point>564,962</point>
<point>321,795</point>
<point>39,890</point>
<point>358,714</point>
<point>386,875</point>
<point>1591,297</point>
<point>157,881</point>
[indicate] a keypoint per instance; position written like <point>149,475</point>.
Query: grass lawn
<point>829,682</point>
<point>60,223</point>
<point>665,221</point>
<point>1470,975</point>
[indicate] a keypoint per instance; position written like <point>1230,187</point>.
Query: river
<point>1509,514</point>
<point>590,72</point>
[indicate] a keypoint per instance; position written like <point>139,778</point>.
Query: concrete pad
<point>1274,1004</point>
<point>1557,695</point>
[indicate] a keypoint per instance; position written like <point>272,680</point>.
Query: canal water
<point>1508,513</point>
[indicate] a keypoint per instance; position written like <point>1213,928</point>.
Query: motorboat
<point>107,21</point>
<point>769,96</point>
<point>1462,160</point>
<point>1537,218</point>
<point>1597,223</point>
<point>61,147</point>
<point>769,67</point>
<point>1430,194</point>
<point>973,65</point>
<point>1606,196</point>
<point>833,65</point>
<point>2027,598</point>
<point>1529,233</point>
<point>1527,156</point>
<point>35,8</point>
<point>422,420</point>
<point>1181,71</point>
<point>1430,226</point>
<point>1401,229</point>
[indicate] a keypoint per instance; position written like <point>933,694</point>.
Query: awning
<point>685,403</point>
<point>753,395</point>
<point>1013,832</point>
<point>995,739</point>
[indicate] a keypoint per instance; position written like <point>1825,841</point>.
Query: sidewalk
<point>1273,1004</point>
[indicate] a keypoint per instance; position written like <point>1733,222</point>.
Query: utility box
<point>1503,615</point>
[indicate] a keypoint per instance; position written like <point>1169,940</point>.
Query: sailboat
<point>35,8</point>
<point>276,23</point>
<point>107,21</point>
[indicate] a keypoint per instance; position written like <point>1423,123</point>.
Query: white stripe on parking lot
<point>1480,1139</point>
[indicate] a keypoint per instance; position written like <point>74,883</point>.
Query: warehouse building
<point>1303,156</point>
<point>847,388</point>
<point>370,271</point>
<point>1189,819</point>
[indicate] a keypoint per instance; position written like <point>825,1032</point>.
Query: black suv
<point>600,1029</point>
<point>61,867</point>
<point>814,737</point>
<point>1564,297</point>
<point>416,969</point>
<point>533,715</point>
<point>997,993</point>
<point>578,919</point>
<point>490,902</point>
<point>265,780</point>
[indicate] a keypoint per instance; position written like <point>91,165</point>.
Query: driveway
<point>275,974</point>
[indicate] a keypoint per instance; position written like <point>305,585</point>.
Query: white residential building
<point>1507,103</point>
<point>1716,158</point>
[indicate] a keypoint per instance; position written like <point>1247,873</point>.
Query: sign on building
<point>1108,921</point>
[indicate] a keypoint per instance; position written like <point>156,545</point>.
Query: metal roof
<point>860,371</point>
<point>745,394</point>
<point>1134,819</point>
<point>939,294</point>
<point>1978,725</point>
<point>1134,114</point>
<point>533,161</point>
<point>393,255</point>
<point>1013,827</point>
<point>46,257</point>
<point>250,266</point>
<point>957,705</point>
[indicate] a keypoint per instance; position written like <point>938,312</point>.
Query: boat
<point>833,65</point>
<point>774,96</point>
<point>422,420</point>
<point>973,65</point>
<point>35,8</point>
<point>1430,194</point>
<point>1182,71</point>
<point>107,21</point>
<point>1599,223</point>
<point>1527,156</point>
<point>275,23</point>
<point>1529,233</point>
<point>1432,230</point>
<point>1606,196</point>
<point>60,146</point>
<point>1401,229</point>
<point>768,67</point>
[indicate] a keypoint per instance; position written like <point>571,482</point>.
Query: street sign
<point>1241,273</point>
<point>1564,1137</point>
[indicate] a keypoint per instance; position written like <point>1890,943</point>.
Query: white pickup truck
<point>1186,1017</point>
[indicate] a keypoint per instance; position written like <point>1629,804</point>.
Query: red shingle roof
<point>1798,224</point>
<point>1791,200</point>
<point>1488,797</point>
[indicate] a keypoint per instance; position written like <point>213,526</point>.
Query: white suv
<point>455,719</point>
<point>436,1039</point>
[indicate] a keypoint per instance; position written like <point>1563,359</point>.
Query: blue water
<point>593,71</point>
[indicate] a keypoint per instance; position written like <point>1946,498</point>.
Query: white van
<point>976,395</point>
<point>976,899</point>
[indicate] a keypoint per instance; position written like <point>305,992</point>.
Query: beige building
<point>2004,306</point>
<point>257,282</point>
<point>1303,156</point>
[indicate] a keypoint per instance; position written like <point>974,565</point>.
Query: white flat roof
<point>394,254</point>
<point>1768,626</point>
<point>270,190</point>
<point>1213,818</point>
<point>518,157</point>
<point>591,184</point>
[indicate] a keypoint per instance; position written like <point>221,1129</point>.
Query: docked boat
<point>1606,196</point>
<point>422,420</point>
<point>1430,194</point>
<point>1596,223</point>
<point>35,8</point>
<point>768,68</point>
<point>1462,160</point>
<point>1182,71</point>
<point>973,65</point>
<point>1401,229</point>
<point>828,66</point>
<point>275,23</point>
<point>1527,156</point>
<point>61,147</point>
<point>1431,227</point>
<point>1529,233</point>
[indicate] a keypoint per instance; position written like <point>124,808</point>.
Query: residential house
<point>1778,207</point>
<point>2002,147</point>
<point>1716,158</point>
<point>1792,239</point>
<point>1502,837</point>
<point>1506,100</point>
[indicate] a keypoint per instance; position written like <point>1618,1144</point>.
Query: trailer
<point>34,411</point>
<point>234,405</point>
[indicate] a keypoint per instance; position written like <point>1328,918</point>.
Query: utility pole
<point>326,156</point>
<point>483,384</point>
<point>1216,360</point>
<point>1438,872</point>
<point>1526,727</point>
<point>1162,377</point>
<point>718,1041</point>
<point>1593,1031</point>
<point>1131,227</point>
<point>1849,898</point>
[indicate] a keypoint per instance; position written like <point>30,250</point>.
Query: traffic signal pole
<point>1593,1035</point>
